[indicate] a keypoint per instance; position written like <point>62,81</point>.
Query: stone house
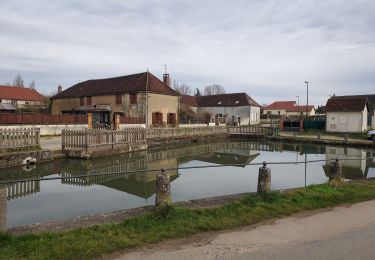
<point>346,114</point>
<point>18,98</point>
<point>234,108</point>
<point>139,95</point>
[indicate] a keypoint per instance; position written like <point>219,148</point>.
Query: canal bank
<point>180,222</point>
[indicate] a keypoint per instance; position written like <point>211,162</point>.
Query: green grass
<point>176,222</point>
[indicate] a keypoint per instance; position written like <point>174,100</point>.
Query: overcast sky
<point>265,48</point>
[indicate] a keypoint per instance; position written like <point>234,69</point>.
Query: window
<point>89,101</point>
<point>157,118</point>
<point>171,118</point>
<point>118,99</point>
<point>133,98</point>
<point>81,101</point>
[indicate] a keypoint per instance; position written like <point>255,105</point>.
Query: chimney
<point>167,79</point>
<point>59,89</point>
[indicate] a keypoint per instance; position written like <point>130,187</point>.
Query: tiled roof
<point>189,100</point>
<point>346,104</point>
<point>370,100</point>
<point>300,109</point>
<point>226,100</point>
<point>125,84</point>
<point>18,93</point>
<point>281,105</point>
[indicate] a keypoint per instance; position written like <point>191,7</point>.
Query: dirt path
<point>343,232</point>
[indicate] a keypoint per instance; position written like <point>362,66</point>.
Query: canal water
<point>40,200</point>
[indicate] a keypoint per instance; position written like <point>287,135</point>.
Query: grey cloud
<point>267,48</point>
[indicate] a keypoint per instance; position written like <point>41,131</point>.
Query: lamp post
<point>298,105</point>
<point>307,99</point>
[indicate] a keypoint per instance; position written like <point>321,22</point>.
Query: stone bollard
<point>318,136</point>
<point>294,134</point>
<point>264,179</point>
<point>3,208</point>
<point>163,190</point>
<point>335,170</point>
<point>345,138</point>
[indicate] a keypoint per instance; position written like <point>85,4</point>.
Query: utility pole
<point>307,98</point>
<point>298,102</point>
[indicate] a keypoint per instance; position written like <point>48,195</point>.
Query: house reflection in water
<point>351,169</point>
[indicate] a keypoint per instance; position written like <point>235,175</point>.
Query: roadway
<point>346,232</point>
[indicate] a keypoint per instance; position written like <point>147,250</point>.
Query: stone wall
<point>16,159</point>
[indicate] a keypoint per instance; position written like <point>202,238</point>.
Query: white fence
<point>19,138</point>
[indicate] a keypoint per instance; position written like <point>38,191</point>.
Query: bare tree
<point>214,89</point>
<point>32,84</point>
<point>18,81</point>
<point>182,89</point>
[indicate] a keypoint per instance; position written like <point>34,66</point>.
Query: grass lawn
<point>176,222</point>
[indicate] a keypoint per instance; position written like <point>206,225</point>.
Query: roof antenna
<point>165,69</point>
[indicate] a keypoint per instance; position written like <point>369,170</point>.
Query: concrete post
<point>345,138</point>
<point>163,190</point>
<point>3,209</point>
<point>264,179</point>
<point>318,136</point>
<point>335,171</point>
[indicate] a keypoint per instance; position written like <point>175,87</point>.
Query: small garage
<point>346,114</point>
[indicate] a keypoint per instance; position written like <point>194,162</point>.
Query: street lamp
<point>307,99</point>
<point>298,104</point>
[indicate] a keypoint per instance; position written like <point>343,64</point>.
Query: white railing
<point>96,139</point>
<point>19,138</point>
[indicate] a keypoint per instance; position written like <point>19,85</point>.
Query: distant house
<point>234,108</point>
<point>371,107</point>
<point>301,111</point>
<point>346,114</point>
<point>288,108</point>
<point>18,98</point>
<point>139,95</point>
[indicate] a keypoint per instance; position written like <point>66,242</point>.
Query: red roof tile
<point>125,84</point>
<point>18,93</point>
<point>346,104</point>
<point>221,100</point>
<point>281,105</point>
<point>189,100</point>
<point>300,109</point>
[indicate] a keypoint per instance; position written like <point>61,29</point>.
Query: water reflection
<point>351,168</point>
<point>93,186</point>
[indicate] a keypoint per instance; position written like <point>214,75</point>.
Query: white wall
<point>48,129</point>
<point>354,122</point>
<point>275,112</point>
<point>244,112</point>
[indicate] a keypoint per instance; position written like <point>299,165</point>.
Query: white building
<point>234,108</point>
<point>346,114</point>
